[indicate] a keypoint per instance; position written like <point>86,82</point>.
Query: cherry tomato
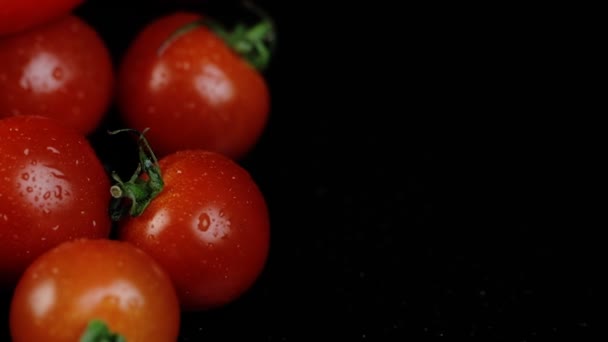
<point>19,15</point>
<point>193,91</point>
<point>208,227</point>
<point>94,279</point>
<point>53,188</point>
<point>61,70</point>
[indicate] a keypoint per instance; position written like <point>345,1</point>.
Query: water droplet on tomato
<point>55,227</point>
<point>58,192</point>
<point>53,150</point>
<point>58,74</point>
<point>203,222</point>
<point>58,174</point>
<point>29,189</point>
<point>46,195</point>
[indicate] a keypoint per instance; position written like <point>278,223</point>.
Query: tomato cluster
<point>87,253</point>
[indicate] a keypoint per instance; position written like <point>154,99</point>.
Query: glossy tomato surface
<point>20,15</point>
<point>84,280</point>
<point>62,70</point>
<point>193,93</point>
<point>53,188</point>
<point>209,228</point>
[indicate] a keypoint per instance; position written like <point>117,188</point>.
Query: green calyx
<point>98,331</point>
<point>254,43</point>
<point>132,197</point>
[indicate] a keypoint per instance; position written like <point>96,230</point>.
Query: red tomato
<point>53,188</point>
<point>208,227</point>
<point>61,70</point>
<point>84,280</point>
<point>19,15</point>
<point>194,93</point>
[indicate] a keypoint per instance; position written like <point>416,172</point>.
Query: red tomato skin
<point>83,280</point>
<point>209,228</point>
<point>20,15</point>
<point>61,70</point>
<point>198,94</point>
<point>53,188</point>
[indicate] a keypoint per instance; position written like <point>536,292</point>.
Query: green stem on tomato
<point>143,186</point>
<point>98,331</point>
<point>254,43</point>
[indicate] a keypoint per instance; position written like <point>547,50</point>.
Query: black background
<point>419,181</point>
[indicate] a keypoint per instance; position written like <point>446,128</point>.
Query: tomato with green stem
<point>21,15</point>
<point>202,217</point>
<point>61,70</point>
<point>53,188</point>
<point>197,85</point>
<point>92,290</point>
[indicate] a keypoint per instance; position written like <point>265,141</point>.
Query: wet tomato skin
<point>195,94</point>
<point>61,70</point>
<point>53,188</point>
<point>21,15</point>
<point>82,280</point>
<point>209,228</point>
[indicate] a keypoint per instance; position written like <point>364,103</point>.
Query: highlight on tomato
<point>196,84</point>
<point>53,188</point>
<point>61,70</point>
<point>202,217</point>
<point>93,290</point>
